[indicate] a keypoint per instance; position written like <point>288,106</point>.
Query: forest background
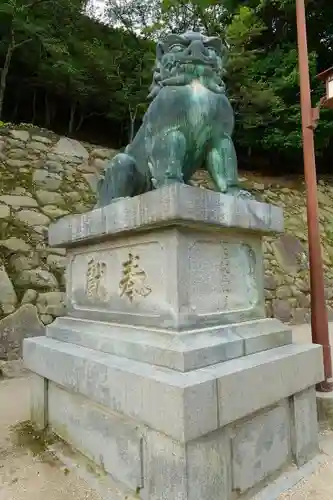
<point>84,72</point>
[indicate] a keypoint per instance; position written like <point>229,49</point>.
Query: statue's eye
<point>212,52</point>
<point>176,48</point>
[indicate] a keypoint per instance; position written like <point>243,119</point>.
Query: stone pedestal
<point>165,372</point>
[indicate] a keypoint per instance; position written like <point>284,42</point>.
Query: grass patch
<point>37,442</point>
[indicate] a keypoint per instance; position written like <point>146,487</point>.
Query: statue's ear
<point>160,51</point>
<point>224,54</point>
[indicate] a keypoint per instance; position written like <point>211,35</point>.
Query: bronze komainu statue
<point>188,124</point>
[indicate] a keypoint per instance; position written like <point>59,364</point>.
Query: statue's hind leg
<point>120,179</point>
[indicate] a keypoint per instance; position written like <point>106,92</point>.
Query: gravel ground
<point>318,486</point>
<point>24,474</point>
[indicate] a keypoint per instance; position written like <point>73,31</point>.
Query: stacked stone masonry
<point>44,177</point>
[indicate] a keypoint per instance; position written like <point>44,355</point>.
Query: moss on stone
<point>37,442</point>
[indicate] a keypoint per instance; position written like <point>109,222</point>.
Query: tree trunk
<point>80,122</point>
<point>53,112</point>
<point>5,70</point>
<point>16,107</point>
<point>72,118</point>
<point>34,107</point>
<point>131,134</point>
<point>47,113</point>
<point>132,123</point>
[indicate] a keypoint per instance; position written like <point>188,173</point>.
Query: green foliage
<point>263,76</point>
<point>255,101</point>
<point>60,55</point>
<point>65,67</point>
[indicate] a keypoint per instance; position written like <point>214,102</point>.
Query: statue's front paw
<point>245,194</point>
<point>240,193</point>
<point>167,181</point>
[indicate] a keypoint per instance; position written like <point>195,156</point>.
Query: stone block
<point>21,135</point>
<point>169,206</point>
<point>209,467</point>
<point>185,352</point>
<point>248,384</point>
<point>185,406</point>
<point>70,148</point>
<point>282,310</point>
<point>111,441</point>
<point>197,470</point>
<point>165,468</point>
<point>8,298</point>
<point>304,426</point>
<point>37,146</point>
<point>193,270</point>
<point>188,351</point>
<point>263,335</point>
<point>325,409</point>
<point>42,139</point>
<point>36,278</point>
<point>290,253</point>
<point>301,316</point>
<point>260,447</point>
<point>270,283</point>
<point>15,245</point>
<point>170,278</point>
<point>47,180</point>
<point>4,211</point>
<point>18,201</point>
<point>92,180</point>
<point>51,303</point>
<point>39,401</point>
<point>32,218</point>
<point>23,323</point>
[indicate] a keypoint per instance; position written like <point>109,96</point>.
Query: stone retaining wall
<point>44,176</point>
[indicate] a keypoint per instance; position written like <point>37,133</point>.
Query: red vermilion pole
<point>319,319</point>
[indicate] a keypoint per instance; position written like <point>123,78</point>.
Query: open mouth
<point>194,68</point>
<point>202,59</point>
